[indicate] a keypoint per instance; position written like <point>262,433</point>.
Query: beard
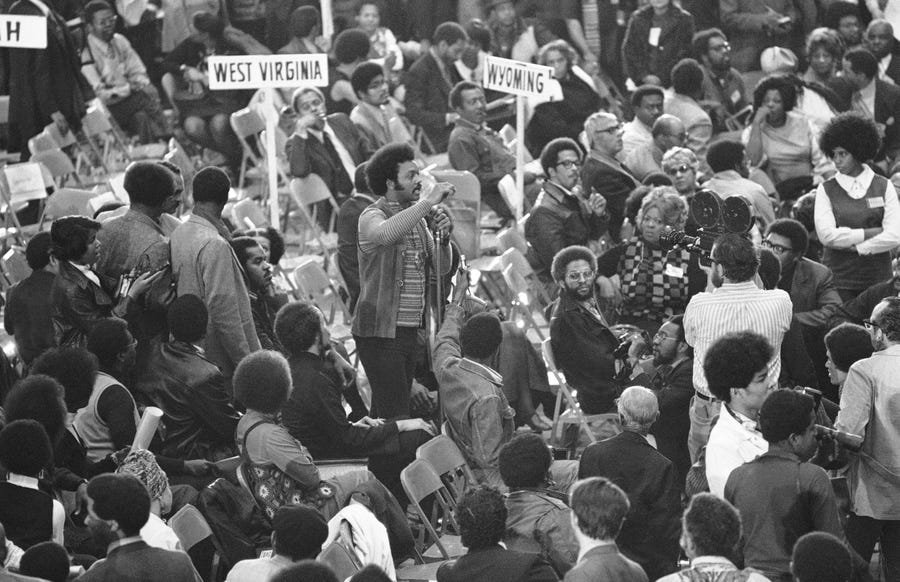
<point>582,292</point>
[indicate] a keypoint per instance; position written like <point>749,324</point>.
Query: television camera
<point>714,218</point>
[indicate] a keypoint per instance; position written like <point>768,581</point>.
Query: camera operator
<point>736,304</point>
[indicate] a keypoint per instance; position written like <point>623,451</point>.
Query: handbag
<point>340,556</point>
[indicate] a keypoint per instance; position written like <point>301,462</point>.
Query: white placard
<point>29,32</point>
<point>267,71</point>
<point>516,77</point>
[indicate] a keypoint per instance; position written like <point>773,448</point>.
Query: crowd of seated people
<point>737,391</point>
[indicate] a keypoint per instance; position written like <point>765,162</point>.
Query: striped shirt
<point>735,307</point>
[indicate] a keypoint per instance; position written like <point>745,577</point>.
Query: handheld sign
<point>522,80</point>
<point>268,72</point>
<point>27,32</point>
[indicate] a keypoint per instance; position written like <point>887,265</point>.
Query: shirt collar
<point>468,124</point>
<point>562,189</point>
<point>364,196</point>
<point>123,542</point>
<point>852,184</point>
<point>99,42</point>
<point>488,372</point>
<point>868,92</point>
<point>711,560</point>
<point>728,175</point>
<point>22,481</point>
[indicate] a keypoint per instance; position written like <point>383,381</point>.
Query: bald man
<point>668,132</point>
<point>602,172</point>
<point>879,39</point>
<point>652,527</point>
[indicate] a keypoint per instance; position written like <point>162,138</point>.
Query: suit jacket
<point>652,527</point>
<point>614,183</point>
<point>45,81</point>
<point>205,265</point>
<point>497,563</point>
<point>347,227</point>
<point>893,69</point>
<point>427,95</point>
<point>309,156</point>
<point>887,111</point>
<point>813,293</point>
<point>606,563</point>
<point>138,562</point>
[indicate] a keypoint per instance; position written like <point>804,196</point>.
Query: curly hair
<point>821,556</point>
<point>679,155</point>
<point>262,381</point>
<point>551,151</point>
<point>525,461</point>
<point>567,255</point>
<point>39,398</point>
<point>825,38</point>
<point>37,251</point>
<point>700,41</point>
<point>794,231</point>
<point>271,234</point>
<point>855,133</point>
<point>351,45</point>
<point>713,524</point>
<point>481,514</point>
<point>25,447</point>
<point>599,507</point>
<point>847,344</point>
<point>384,164</point>
<point>785,412</point>
<point>737,255</point>
<point>74,368</point>
<point>733,360</point>
<point>121,497</point>
<point>297,325</point>
<point>671,205</point>
<point>776,82</point>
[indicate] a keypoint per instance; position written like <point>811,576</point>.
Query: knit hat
<point>142,464</point>
<point>778,59</point>
<point>300,531</point>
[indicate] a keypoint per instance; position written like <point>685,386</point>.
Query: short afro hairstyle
<point>38,397</point>
<point>120,497</point>
<point>847,344</point>
<point>240,245</point>
<point>700,42</point>
<point>25,447</point>
<point>524,461</point>
<point>725,155</point>
<point>47,561</point>
<point>108,338</point>
<point>351,45</point>
<point>384,164</point>
<point>837,11</point>
<point>209,23</point>
<point>363,76</point>
<point>71,236</point>
<point>889,318</point>
<point>270,233</point>
<point>303,20</point>
<point>187,318</point>
<point>480,336</point>
<point>737,255</point>
<point>687,77</point>
<point>300,531</point>
<point>360,183</point>
<point>733,360</point>
<point>149,183</point>
<point>551,151</point>
<point>636,199</point>
<point>307,571</point>
<point>821,557</point>
<point>793,231</point>
<point>92,8</point>
<point>567,255</point>
<point>297,325</point>
<point>637,98</point>
<point>370,573</point>
<point>37,251</point>
<point>456,98</point>
<point>448,32</point>
<point>785,412</point>
<point>74,368</point>
<point>479,33</point>
<point>211,184</point>
<point>481,515</point>
<point>769,268</point>
<point>262,381</point>
<point>855,133</point>
<point>776,82</point>
<point>599,507</point>
<point>713,524</point>
<point>862,61</point>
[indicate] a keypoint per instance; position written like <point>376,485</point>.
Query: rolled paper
<point>147,427</point>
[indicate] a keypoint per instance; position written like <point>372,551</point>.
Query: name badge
<point>735,97</point>
<point>875,202</point>
<point>653,39</point>
<point>673,271</point>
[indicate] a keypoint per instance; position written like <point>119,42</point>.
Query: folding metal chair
<point>42,142</point>
<point>420,481</point>
<point>61,168</point>
<point>511,238</point>
<point>576,416</point>
<point>449,463</point>
<point>98,124</point>
<point>193,530</point>
<point>313,284</point>
<point>305,194</point>
<point>247,213</point>
<point>514,258</point>
<point>248,125</point>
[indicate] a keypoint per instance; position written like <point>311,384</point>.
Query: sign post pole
<point>522,80</point>
<point>269,72</point>
<point>327,19</point>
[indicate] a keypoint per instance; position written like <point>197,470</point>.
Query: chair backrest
<point>4,109</point>
<point>190,526</point>
<point>419,481</point>
<point>69,201</point>
<point>95,122</point>
<point>514,259</point>
<point>13,266</point>
<point>313,284</point>
<point>58,163</point>
<point>247,213</point>
<point>247,122</point>
<point>310,190</point>
<point>509,192</point>
<point>449,463</point>
<point>42,142</point>
<point>511,238</point>
<point>25,181</point>
<point>468,188</point>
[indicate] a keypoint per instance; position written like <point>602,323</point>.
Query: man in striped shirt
<point>736,304</point>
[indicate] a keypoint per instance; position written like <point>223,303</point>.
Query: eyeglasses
<point>725,46</point>
<point>661,337</point>
<point>870,325</point>
<point>582,276</point>
<point>569,164</point>
<point>780,249</point>
<point>682,169</point>
<point>615,128</point>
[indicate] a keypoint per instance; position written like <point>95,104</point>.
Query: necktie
<point>860,106</point>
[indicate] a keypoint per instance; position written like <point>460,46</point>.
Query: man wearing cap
<point>298,532</point>
<point>602,171</point>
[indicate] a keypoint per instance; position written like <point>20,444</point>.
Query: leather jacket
<point>199,418</point>
<point>78,304</point>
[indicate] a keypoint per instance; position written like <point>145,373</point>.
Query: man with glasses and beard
<point>722,83</point>
<point>582,343</point>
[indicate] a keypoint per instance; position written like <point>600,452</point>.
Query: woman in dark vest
<point>856,213</point>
